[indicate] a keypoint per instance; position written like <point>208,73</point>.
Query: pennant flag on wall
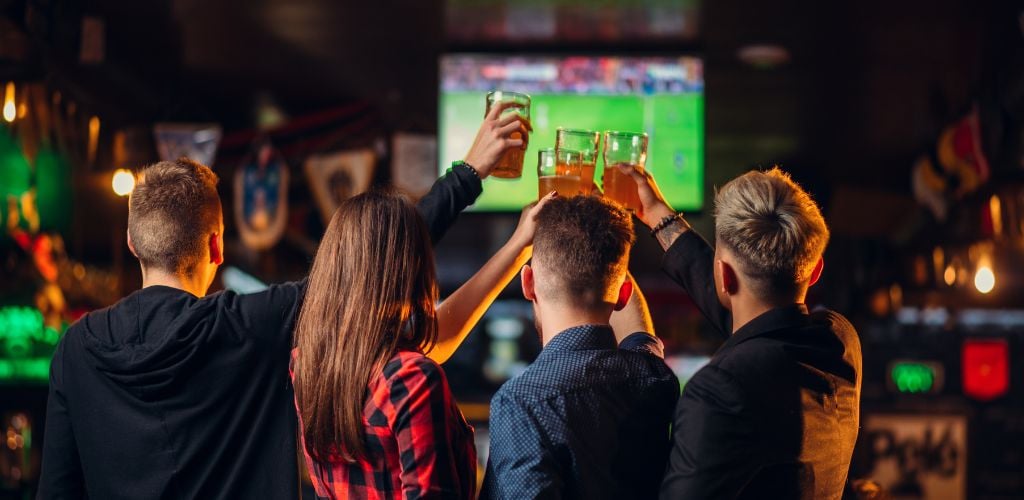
<point>197,141</point>
<point>261,197</point>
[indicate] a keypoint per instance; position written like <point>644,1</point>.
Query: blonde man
<point>775,413</point>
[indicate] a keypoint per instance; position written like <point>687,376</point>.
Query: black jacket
<point>166,395</point>
<point>775,413</point>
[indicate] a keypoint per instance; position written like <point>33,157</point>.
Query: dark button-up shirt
<point>588,419</point>
<point>775,413</point>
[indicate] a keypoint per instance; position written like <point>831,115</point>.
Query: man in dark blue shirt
<point>590,417</point>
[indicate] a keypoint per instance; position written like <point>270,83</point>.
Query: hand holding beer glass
<point>586,143</point>
<point>558,170</point>
<point>501,133</point>
<point>511,108</point>
<point>624,153</point>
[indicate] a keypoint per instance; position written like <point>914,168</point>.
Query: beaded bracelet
<point>665,222</point>
<point>470,167</point>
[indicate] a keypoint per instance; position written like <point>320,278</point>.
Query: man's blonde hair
<point>773,227</point>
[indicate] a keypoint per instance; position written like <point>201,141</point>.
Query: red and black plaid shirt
<point>417,441</point>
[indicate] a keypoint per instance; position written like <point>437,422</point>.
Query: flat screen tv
<point>662,96</point>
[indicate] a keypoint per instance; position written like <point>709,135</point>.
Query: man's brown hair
<point>171,213</point>
<point>582,243</point>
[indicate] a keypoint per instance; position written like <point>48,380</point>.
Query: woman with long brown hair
<point>378,419</point>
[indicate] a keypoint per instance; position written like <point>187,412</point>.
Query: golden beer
<point>620,186</point>
<point>623,152</point>
<point>558,171</point>
<point>510,165</point>
<point>564,184</point>
<point>586,143</point>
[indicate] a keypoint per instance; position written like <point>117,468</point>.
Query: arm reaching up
<point>460,312</point>
<point>633,318</point>
<point>460,187</point>
<point>634,330</point>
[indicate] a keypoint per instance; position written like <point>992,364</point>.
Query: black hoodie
<point>166,395</point>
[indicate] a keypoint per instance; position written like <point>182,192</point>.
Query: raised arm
<point>461,311</point>
<point>635,317</point>
<point>633,327</point>
<point>688,260</point>
<point>460,187</point>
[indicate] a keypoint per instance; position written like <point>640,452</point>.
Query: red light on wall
<point>986,368</point>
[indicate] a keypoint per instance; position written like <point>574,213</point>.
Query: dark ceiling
<point>868,86</point>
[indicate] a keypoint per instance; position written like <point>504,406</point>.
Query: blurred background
<point>904,119</point>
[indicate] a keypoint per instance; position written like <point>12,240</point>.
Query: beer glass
<point>510,165</point>
<point>623,151</point>
<point>558,171</point>
<point>586,142</point>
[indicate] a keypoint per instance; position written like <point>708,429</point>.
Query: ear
<point>816,273</point>
<point>625,292</point>
<point>730,281</point>
<point>526,277</point>
<point>216,250</point>
<point>131,246</point>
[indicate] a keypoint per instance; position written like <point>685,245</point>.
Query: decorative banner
<point>339,176</point>
<point>413,163</point>
<point>956,167</point>
<point>918,456</point>
<point>261,197</point>
<point>196,141</point>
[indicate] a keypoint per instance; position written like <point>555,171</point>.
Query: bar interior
<point>904,121</point>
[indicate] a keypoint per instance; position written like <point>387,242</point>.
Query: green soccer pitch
<point>674,122</point>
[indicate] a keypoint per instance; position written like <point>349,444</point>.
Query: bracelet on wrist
<point>666,221</point>
<point>470,167</point>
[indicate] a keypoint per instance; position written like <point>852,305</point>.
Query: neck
<point>744,309</point>
<point>158,277</point>
<point>563,318</point>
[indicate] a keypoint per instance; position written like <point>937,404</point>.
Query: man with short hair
<point>775,413</point>
<point>171,393</point>
<point>590,417</point>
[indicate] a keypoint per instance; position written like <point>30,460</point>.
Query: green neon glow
<point>914,378</point>
<point>26,345</point>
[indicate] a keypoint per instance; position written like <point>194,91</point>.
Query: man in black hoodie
<point>174,394</point>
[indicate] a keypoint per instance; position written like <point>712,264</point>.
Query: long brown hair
<point>371,292</point>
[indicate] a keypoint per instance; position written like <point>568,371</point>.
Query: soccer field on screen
<point>674,122</point>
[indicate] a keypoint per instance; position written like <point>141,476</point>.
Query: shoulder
<point>833,321</point>
<point>760,355</point>
<point>715,387</point>
<point>551,374</point>
<point>412,370</point>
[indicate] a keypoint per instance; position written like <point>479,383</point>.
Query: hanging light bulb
<point>984,279</point>
<point>10,109</point>
<point>123,182</point>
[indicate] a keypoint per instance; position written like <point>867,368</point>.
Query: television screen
<point>662,96</point>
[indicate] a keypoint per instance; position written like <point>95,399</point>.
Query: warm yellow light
<point>984,279</point>
<point>123,182</point>
<point>94,137</point>
<point>995,209</point>
<point>10,109</point>
<point>950,275</point>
